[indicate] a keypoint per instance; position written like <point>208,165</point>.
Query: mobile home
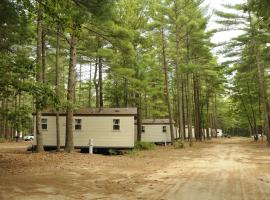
<point>156,130</point>
<point>108,127</point>
<point>192,132</point>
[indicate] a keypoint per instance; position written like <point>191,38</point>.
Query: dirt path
<point>232,169</point>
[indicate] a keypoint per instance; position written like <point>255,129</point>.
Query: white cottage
<point>192,132</point>
<point>108,127</point>
<point>156,130</point>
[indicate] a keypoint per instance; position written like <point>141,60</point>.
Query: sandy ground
<point>221,169</point>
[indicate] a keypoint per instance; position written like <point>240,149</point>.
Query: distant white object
<point>91,146</point>
<point>28,138</point>
<point>219,133</point>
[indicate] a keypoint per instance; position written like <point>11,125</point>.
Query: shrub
<point>2,140</point>
<point>144,146</point>
<point>179,144</point>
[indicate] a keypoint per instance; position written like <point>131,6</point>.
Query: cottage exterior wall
<point>98,128</point>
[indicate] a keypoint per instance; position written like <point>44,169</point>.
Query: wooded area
<point>153,55</point>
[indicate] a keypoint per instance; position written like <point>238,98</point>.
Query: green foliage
<point>142,146</point>
<point>179,144</point>
<point>2,140</point>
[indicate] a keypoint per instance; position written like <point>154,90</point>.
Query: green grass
<point>179,144</point>
<point>2,140</point>
<point>142,146</point>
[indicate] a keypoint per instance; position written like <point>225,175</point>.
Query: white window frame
<point>44,123</point>
<point>77,124</point>
<point>116,124</point>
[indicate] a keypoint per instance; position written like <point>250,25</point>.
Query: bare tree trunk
<point>177,67</point>
<point>57,84</point>
<point>139,119</point>
<point>80,84</point>
<point>39,79</point>
<point>261,79</point>
<point>197,107</point>
<point>100,82</point>
<point>215,114</point>
<point>43,55</point>
<point>96,83</point>
<point>188,99</point>
<point>90,86</point>
<point>69,146</point>
<point>2,114</point>
<point>126,92</point>
<point>167,84</point>
<point>183,108</point>
<point>190,110</point>
<point>264,101</point>
<point>100,78</point>
<point>207,119</point>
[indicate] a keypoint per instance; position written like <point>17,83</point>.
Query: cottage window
<point>116,124</point>
<point>164,129</point>
<point>143,129</point>
<point>78,124</point>
<point>44,124</point>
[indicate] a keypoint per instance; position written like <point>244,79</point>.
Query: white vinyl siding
<point>154,133</point>
<point>98,128</point>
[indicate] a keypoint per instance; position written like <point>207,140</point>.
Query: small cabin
<point>192,132</point>
<point>156,130</point>
<point>108,127</point>
<point>219,133</point>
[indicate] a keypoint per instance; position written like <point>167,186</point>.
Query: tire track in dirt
<point>208,176</point>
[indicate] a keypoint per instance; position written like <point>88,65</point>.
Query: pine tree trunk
<point>125,92</point>
<point>264,101</point>
<point>197,107</point>
<point>215,115</point>
<point>57,86</point>
<point>2,119</point>
<point>188,99</point>
<point>100,82</point>
<point>167,96</point>
<point>190,111</point>
<point>43,55</point>
<point>39,79</point>
<point>261,79</point>
<point>90,86</point>
<point>207,119</point>
<point>80,84</point>
<point>96,83</point>
<point>69,146</point>
<point>255,130</point>
<point>177,70</point>
<point>183,108</point>
<point>139,119</point>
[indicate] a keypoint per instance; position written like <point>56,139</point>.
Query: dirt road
<point>224,169</point>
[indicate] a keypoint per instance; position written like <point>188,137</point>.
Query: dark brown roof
<point>155,121</point>
<point>95,111</point>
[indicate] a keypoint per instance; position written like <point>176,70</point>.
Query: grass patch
<point>2,140</point>
<point>142,146</point>
<point>179,144</point>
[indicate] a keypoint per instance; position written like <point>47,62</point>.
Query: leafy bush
<point>179,144</point>
<point>144,146</point>
<point>2,140</point>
